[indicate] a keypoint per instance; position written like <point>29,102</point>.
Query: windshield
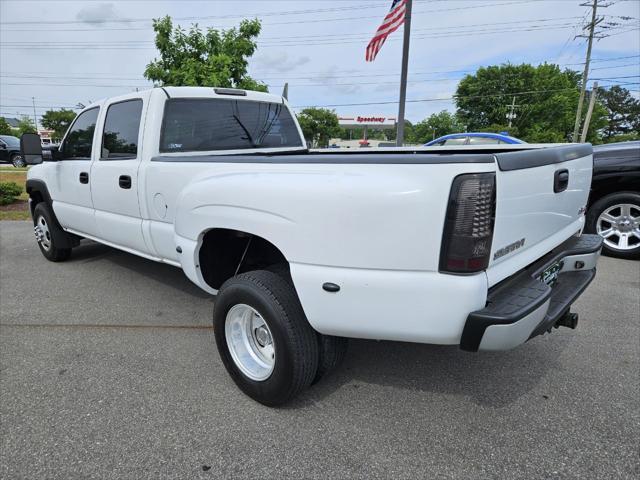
<point>11,141</point>
<point>199,124</point>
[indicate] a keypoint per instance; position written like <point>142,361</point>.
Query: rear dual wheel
<point>265,341</point>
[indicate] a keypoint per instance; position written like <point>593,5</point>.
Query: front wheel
<point>616,218</point>
<point>18,161</point>
<point>46,230</point>
<point>264,338</point>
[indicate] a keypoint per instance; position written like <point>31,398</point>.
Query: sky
<point>62,53</point>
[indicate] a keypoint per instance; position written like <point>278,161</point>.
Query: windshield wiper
<point>266,127</point>
<point>249,137</point>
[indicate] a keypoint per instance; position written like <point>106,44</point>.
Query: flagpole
<point>403,75</point>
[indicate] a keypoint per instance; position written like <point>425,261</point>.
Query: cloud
<point>98,14</point>
<point>335,82</point>
<point>280,62</point>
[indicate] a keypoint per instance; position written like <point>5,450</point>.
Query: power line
<point>329,79</point>
<point>295,39</point>
<point>440,98</point>
<point>424,100</point>
<point>585,75</point>
<point>147,19</point>
<point>541,20</point>
<point>297,12</point>
<point>115,46</point>
<point>349,72</point>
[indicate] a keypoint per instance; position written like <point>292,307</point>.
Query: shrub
<point>8,192</point>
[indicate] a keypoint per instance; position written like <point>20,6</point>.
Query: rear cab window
<point>205,124</point>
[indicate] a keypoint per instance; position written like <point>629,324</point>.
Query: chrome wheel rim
<point>619,225</point>
<point>18,161</point>
<point>43,235</point>
<point>250,342</point>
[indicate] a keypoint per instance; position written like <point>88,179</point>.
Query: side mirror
<point>31,148</point>
<point>51,154</point>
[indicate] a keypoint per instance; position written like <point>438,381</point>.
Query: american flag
<point>390,24</point>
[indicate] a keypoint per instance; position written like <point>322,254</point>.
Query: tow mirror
<point>31,148</point>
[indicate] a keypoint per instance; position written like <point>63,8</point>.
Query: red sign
<point>370,119</point>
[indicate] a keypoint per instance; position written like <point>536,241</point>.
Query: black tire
<point>49,249</point>
<point>599,207</point>
<point>331,351</point>
<point>17,161</point>
<point>295,342</point>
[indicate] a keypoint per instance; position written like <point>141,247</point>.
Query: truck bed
<point>522,157</point>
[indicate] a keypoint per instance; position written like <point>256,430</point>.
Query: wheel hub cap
<point>43,235</point>
<point>263,337</point>
<point>619,225</point>
<point>250,342</point>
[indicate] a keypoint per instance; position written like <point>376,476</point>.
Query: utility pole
<point>403,76</point>
<point>35,119</point>
<point>587,119</point>
<point>585,74</point>
<point>511,115</point>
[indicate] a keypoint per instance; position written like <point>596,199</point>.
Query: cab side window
<point>121,129</point>
<point>79,141</point>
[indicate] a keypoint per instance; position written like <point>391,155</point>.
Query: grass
<point>11,168</point>
<point>19,176</point>
<point>15,214</point>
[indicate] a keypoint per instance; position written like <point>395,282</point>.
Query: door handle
<point>124,181</point>
<point>561,180</point>
<point>84,177</point>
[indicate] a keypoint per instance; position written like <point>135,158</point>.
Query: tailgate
<point>541,196</point>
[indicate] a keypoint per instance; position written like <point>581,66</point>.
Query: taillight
<point>468,227</point>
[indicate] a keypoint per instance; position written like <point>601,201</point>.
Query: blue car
<point>480,138</point>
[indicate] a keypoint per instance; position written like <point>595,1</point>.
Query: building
<point>13,122</point>
<point>366,123</point>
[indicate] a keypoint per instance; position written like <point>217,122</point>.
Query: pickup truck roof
<point>203,92</point>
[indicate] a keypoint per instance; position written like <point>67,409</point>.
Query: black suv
<point>614,204</point>
<point>10,151</point>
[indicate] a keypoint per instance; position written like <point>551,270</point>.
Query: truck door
<point>69,185</point>
<point>114,175</point>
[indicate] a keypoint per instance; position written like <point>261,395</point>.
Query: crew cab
<point>479,248</point>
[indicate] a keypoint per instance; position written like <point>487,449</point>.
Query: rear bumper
<point>523,306</point>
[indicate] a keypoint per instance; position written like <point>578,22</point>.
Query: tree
<point>318,125</point>
<point>26,125</point>
<point>5,128</point>
<point>207,59</point>
<point>623,112</point>
<point>547,98</point>
<point>58,121</point>
<point>436,125</point>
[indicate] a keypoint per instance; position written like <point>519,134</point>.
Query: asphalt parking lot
<point>109,370</point>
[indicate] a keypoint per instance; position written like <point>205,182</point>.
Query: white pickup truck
<point>479,248</point>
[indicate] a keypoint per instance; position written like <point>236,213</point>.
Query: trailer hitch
<point>569,320</point>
